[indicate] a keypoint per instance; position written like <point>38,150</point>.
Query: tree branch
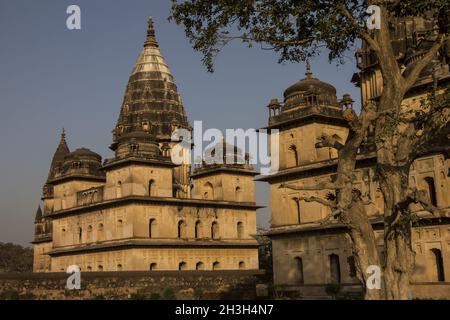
<point>364,34</point>
<point>315,199</point>
<point>419,196</point>
<point>330,217</point>
<point>418,68</point>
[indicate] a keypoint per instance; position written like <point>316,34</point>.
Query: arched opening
<point>200,266</point>
<point>335,268</point>
<point>352,272</point>
<point>182,266</point>
<point>152,228</point>
<point>89,268</point>
<point>214,230</point>
<point>181,229</point>
<point>100,268</point>
<point>241,265</point>
<point>216,265</point>
<point>100,232</point>
<point>297,209</point>
<point>151,188</point>
<point>119,189</point>
<point>293,155</point>
<point>238,194</point>
<point>89,233</point>
<point>119,267</point>
<point>431,189</point>
<point>240,230</point>
<point>198,230</point>
<point>437,265</point>
<point>64,202</point>
<point>152,266</point>
<point>80,234</point>
<point>119,228</point>
<point>208,191</point>
<point>299,270</point>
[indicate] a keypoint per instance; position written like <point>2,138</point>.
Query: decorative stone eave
<point>42,240</point>
<point>179,202</point>
<point>318,114</point>
<point>376,221</point>
<point>76,177</point>
<point>305,169</point>
<point>154,243</point>
<point>211,170</point>
<point>118,163</point>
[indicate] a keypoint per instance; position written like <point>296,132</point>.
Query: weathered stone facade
<point>310,255</point>
<point>140,211</point>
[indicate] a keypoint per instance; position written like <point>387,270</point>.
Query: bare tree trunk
<point>397,234</point>
<point>354,215</point>
<point>364,247</point>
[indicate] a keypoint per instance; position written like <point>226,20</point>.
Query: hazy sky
<point>51,78</point>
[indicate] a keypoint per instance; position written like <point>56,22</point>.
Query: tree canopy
<point>15,258</point>
<point>296,29</point>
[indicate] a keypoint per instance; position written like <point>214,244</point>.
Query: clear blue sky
<point>51,78</point>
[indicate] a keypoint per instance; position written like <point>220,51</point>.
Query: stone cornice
<point>153,243</point>
<point>154,200</point>
<point>314,166</point>
<point>134,160</point>
<point>76,177</point>
<point>377,222</point>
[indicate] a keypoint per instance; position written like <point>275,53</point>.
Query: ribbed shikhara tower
<point>153,105</point>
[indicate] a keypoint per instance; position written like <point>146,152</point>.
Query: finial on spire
<point>308,70</point>
<point>151,38</point>
<point>63,135</point>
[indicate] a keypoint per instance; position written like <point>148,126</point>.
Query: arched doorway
<point>437,265</point>
<point>215,230</point>
<point>299,270</point>
<point>181,229</point>
<point>335,269</point>
<point>240,230</point>
<point>152,228</point>
<point>198,230</point>
<point>200,266</point>
<point>431,189</point>
<point>182,266</point>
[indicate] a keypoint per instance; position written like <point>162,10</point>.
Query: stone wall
<point>135,285</point>
<point>431,291</point>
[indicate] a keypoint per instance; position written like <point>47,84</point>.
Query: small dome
<point>82,161</point>
<point>231,154</point>
<point>310,91</point>
<point>84,154</point>
<point>311,85</point>
<point>138,143</point>
<point>138,136</point>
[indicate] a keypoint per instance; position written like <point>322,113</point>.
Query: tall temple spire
<point>308,70</point>
<point>38,213</point>
<point>151,38</point>
<point>151,102</point>
<point>60,153</point>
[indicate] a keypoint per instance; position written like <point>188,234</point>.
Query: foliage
<point>155,296</point>
<point>168,294</point>
<point>137,296</point>
<point>264,250</point>
<point>15,258</point>
<point>198,294</point>
<point>295,29</point>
